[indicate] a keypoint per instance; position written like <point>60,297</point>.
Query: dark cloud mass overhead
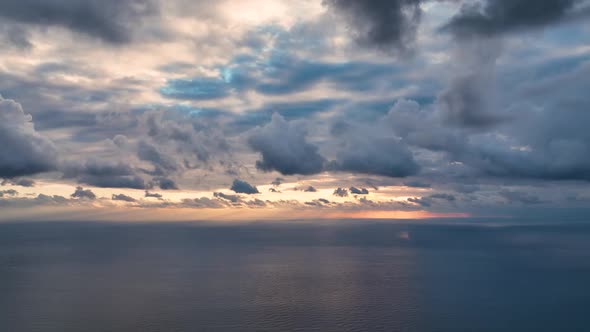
<point>109,20</point>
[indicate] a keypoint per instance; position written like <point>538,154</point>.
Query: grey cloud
<point>83,194</point>
<point>23,151</point>
<point>166,184</point>
<point>284,148</point>
<point>8,192</point>
<point>428,201</point>
<point>152,195</point>
<point>112,21</point>
<point>502,16</point>
<point>341,192</point>
<point>203,202</point>
<point>243,187</point>
<point>310,189</point>
<point>231,198</point>
<point>358,191</point>
<point>520,197</point>
<point>417,184</point>
<point>19,182</point>
<point>469,101</point>
<point>104,174</point>
<point>377,156</point>
<point>123,197</point>
<point>381,23</point>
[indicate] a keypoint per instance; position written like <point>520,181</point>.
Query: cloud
<point>203,202</point>
<point>341,192</point>
<point>8,192</point>
<point>520,197</point>
<point>19,182</point>
<point>417,184</point>
<point>231,198</point>
<point>428,201</point>
<point>123,197</point>
<point>243,187</point>
<point>385,156</point>
<point>104,174</point>
<point>310,189</point>
<point>381,23</point>
<point>166,184</point>
<point>23,151</point>
<point>83,194</point>
<point>284,148</point>
<point>112,21</point>
<point>152,195</point>
<point>502,16</point>
<point>358,191</point>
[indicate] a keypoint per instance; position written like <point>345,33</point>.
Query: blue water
<point>340,276</point>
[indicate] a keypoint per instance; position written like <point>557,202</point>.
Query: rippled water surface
<point>63,277</point>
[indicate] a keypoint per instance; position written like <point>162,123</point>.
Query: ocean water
<point>338,276</point>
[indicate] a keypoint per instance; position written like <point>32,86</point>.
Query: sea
<point>338,275</point>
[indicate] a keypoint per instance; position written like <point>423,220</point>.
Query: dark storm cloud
<point>112,21</point>
<point>501,16</point>
<point>123,197</point>
<point>381,23</point>
<point>243,187</point>
<point>23,150</point>
<point>83,194</point>
<point>358,191</point>
<point>284,148</point>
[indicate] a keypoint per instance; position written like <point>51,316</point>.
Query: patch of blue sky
<point>200,88</point>
<point>277,70</point>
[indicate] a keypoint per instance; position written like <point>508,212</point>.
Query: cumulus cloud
<point>23,151</point>
<point>243,187</point>
<point>82,193</point>
<point>284,148</point>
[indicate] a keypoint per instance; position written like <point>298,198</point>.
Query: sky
<point>275,109</point>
